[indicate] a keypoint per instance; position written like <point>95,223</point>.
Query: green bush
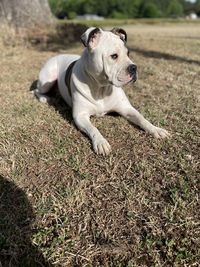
<point>174,9</point>
<point>123,9</point>
<point>72,15</point>
<point>151,11</point>
<point>118,15</point>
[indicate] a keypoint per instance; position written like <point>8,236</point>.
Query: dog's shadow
<point>55,100</point>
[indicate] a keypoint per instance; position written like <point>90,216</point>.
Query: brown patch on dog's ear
<point>90,38</point>
<point>121,33</point>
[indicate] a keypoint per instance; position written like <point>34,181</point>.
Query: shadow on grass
<point>166,56</point>
<point>64,36</point>
<point>16,216</point>
<point>186,37</point>
<point>56,101</point>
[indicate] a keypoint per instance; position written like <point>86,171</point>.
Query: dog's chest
<point>103,102</point>
<point>100,110</point>
<point>102,107</point>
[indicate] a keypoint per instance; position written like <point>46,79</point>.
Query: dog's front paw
<point>159,132</point>
<point>101,146</point>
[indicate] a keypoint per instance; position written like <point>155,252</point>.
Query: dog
<point>91,84</point>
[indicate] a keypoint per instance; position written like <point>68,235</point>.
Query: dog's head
<point>109,55</point>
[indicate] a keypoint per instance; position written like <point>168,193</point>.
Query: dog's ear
<point>121,33</point>
<point>91,37</point>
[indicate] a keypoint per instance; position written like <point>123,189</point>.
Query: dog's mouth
<point>121,81</point>
<point>134,79</point>
<point>129,79</point>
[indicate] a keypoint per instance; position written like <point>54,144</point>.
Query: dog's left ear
<point>91,37</point>
<point>121,33</point>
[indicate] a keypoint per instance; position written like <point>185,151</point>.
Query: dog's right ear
<point>91,37</point>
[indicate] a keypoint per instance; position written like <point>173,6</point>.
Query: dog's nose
<point>132,69</point>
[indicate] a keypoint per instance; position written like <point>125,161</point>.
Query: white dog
<point>91,84</point>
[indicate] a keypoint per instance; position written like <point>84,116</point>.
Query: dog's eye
<point>114,56</point>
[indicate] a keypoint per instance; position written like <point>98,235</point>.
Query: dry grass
<point>62,205</point>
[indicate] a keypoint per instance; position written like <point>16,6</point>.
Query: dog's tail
<point>34,85</point>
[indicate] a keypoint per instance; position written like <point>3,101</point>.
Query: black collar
<point>68,76</point>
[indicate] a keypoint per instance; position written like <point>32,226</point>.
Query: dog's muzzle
<point>132,70</point>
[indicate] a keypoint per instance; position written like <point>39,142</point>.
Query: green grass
<point>62,205</point>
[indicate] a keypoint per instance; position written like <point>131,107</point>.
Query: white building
<point>192,16</point>
<point>90,17</point>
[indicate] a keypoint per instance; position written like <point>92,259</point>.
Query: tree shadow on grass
<point>186,37</point>
<point>16,216</point>
<point>64,36</point>
<point>166,56</point>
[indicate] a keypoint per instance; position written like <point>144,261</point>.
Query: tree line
<point>125,8</point>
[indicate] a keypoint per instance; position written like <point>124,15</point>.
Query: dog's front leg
<point>135,117</point>
<point>130,113</point>
<point>100,144</point>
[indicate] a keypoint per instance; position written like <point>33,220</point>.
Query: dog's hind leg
<point>47,79</point>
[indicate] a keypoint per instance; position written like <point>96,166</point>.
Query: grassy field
<point>119,22</point>
<point>62,205</point>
